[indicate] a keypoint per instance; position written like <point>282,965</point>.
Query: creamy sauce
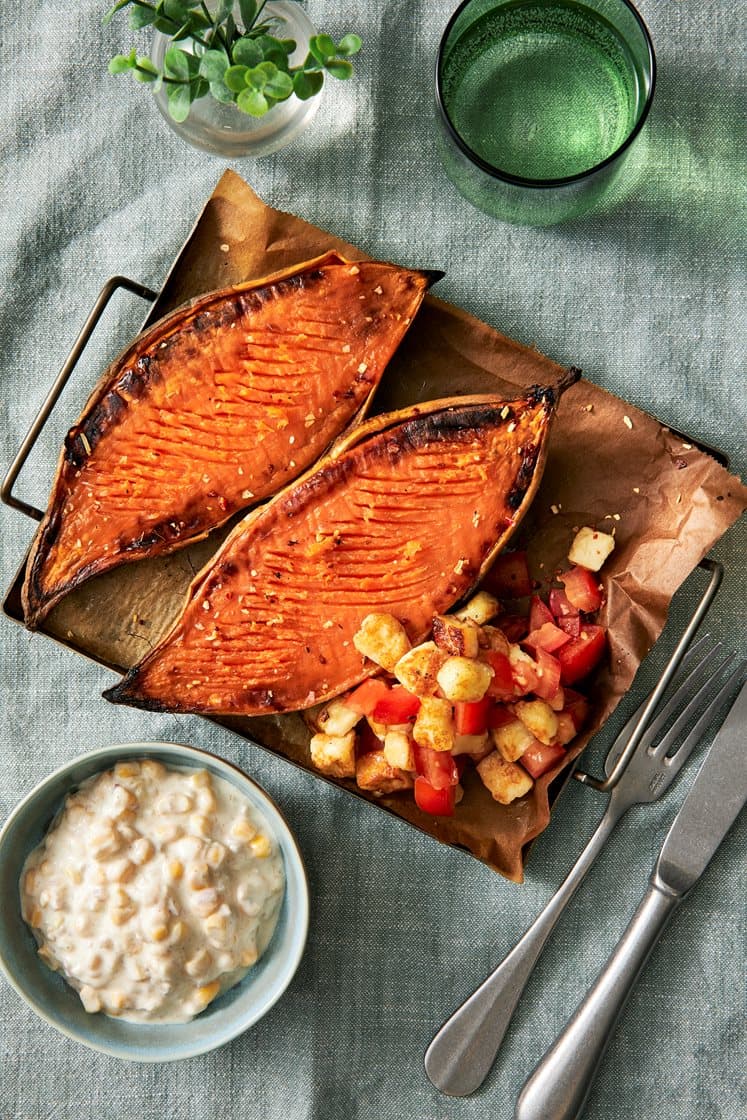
<point>153,891</point>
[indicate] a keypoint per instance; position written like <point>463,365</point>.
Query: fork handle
<point>560,1084</point>
<point>463,1051</point>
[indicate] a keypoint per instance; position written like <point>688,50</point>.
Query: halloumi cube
<point>539,718</point>
<point>434,724</point>
<point>336,718</point>
<point>463,678</point>
<point>480,609</point>
<point>476,746</point>
<point>418,669</point>
<point>590,548</point>
<point>398,750</point>
<point>505,780</point>
<point>334,754</point>
<point>512,739</point>
<point>382,638</point>
<point>456,637</point>
<point>375,774</point>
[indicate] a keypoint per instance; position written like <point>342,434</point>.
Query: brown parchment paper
<point>609,465</point>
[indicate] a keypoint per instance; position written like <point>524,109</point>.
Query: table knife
<point>559,1085</point>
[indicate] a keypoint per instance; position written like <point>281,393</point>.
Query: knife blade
<point>560,1083</point>
<point>713,803</point>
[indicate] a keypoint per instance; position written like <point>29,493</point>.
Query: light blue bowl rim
<point>291,853</point>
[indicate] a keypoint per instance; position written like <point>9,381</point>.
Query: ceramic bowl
<point>48,994</point>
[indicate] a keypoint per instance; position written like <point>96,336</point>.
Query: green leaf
<point>259,76</point>
<point>221,92</point>
<point>247,52</point>
<point>253,102</point>
<point>113,11</point>
<point>200,88</point>
<point>146,71</point>
<point>165,26</point>
<point>180,99</point>
<point>248,9</point>
<point>322,47</point>
<point>307,84</point>
<point>184,32</point>
<point>349,45</point>
<point>120,64</point>
<point>176,63</point>
<point>141,17</point>
<point>235,78</point>
<point>213,65</point>
<point>280,87</point>
<point>339,68</point>
<point>176,10</point>
<point>288,45</point>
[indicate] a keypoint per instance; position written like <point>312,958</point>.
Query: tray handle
<point>604,785</point>
<point>6,491</point>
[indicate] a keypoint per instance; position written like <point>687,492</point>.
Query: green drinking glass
<point>540,101</point>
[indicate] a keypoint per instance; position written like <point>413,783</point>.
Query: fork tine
<point>696,648</point>
<point>682,692</point>
<point>694,737</point>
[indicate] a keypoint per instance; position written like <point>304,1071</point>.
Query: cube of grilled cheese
<point>480,609</point>
<point>382,638</point>
<point>398,750</point>
<point>539,718</point>
<point>374,773</point>
<point>512,739</point>
<point>336,718</point>
<point>476,746</point>
<point>463,678</point>
<point>453,636</point>
<point>334,755</point>
<point>590,548</point>
<point>505,780</point>
<point>418,669</point>
<point>434,724</point>
<point>492,637</point>
<point>566,729</point>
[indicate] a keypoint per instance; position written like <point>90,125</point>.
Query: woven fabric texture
<point>647,297</point>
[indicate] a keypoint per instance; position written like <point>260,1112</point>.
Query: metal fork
<point>463,1051</point>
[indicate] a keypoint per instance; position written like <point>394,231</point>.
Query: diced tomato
<point>539,758</point>
<point>366,741</point>
<point>526,677</point>
<point>437,802</point>
<point>548,681</point>
<point>582,654</point>
<point>582,588</point>
<point>509,576</point>
<point>548,636</point>
<point>577,707</point>
<point>397,706</point>
<point>470,717</point>
<point>499,716</point>
<point>539,613</point>
<point>570,624</point>
<point>514,626</point>
<point>561,606</point>
<point>366,696</point>
<point>501,686</point>
<point>437,767</point>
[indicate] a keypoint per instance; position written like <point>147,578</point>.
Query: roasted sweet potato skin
<point>214,408</point>
<point>403,516</point>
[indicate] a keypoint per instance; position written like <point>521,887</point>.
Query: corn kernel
<point>127,769</point>
<point>243,830</point>
<point>141,851</point>
<point>200,779</point>
<point>248,957</point>
<point>260,846</point>
<point>207,993</point>
<point>175,869</point>
<point>159,933</point>
<point>215,854</point>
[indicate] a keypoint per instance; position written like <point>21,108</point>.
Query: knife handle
<point>560,1084</point>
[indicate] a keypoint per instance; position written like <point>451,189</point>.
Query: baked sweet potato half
<point>402,517</point>
<point>216,407</point>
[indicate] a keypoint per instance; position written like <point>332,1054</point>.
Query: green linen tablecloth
<point>646,298</point>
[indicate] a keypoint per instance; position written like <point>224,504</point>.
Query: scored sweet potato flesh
<point>214,408</point>
<point>403,516</point>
